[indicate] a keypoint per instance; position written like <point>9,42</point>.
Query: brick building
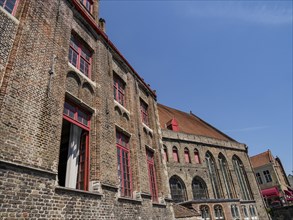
<point>272,179</point>
<point>208,171</point>
<point>80,134</point>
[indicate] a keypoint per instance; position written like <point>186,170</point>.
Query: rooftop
<point>261,159</point>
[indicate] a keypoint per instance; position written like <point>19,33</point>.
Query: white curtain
<point>73,156</point>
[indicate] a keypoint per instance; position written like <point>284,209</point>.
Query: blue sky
<point>229,62</point>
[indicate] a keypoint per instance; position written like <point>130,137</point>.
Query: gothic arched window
<point>199,189</point>
<point>166,158</point>
<point>177,187</point>
<point>205,212</point>
<point>186,155</point>
<point>196,156</point>
<point>219,213</point>
<point>175,155</point>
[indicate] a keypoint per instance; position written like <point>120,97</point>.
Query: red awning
<point>288,193</point>
<point>270,192</point>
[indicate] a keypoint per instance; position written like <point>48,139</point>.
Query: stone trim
<point>161,205</point>
<point>10,16</point>
<point>79,102</point>
<point>122,108</point>
<point>66,189</point>
<point>126,199</point>
<point>73,68</point>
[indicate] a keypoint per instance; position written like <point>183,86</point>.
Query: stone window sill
<point>77,191</point>
<point>9,15</point>
<point>122,108</point>
<point>122,199</point>
<point>81,74</point>
<point>147,129</point>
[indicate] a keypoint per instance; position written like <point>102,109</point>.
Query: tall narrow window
<point>253,212</point>
<point>219,214</point>
<point>119,90</point>
<point>73,168</point>
<point>175,155</point>
<point>214,176</point>
<point>9,5</point>
<point>186,155</point>
<point>178,191</point>
<point>88,4</point>
<point>267,175</point>
<point>196,156</point>
<point>258,178</point>
<point>242,178</point>
<point>228,182</point>
<point>245,213</point>
<point>166,158</point>
<point>152,175</point>
<point>205,212</point>
<point>79,56</point>
<point>199,189</point>
<point>123,158</point>
<point>235,212</point>
<point>144,112</point>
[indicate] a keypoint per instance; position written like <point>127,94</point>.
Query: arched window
<point>199,189</point>
<point>235,211</point>
<point>253,212</point>
<point>175,155</point>
<point>186,155</point>
<point>219,214</point>
<point>177,187</point>
<point>214,176</point>
<point>196,156</point>
<point>166,154</point>
<point>228,182</point>
<point>242,178</point>
<point>205,212</point>
<point>244,212</point>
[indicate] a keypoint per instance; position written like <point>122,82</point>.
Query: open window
<point>73,168</point>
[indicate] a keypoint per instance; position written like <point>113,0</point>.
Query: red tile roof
<point>261,159</point>
<point>189,123</point>
<point>183,212</point>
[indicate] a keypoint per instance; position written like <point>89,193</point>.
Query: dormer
<point>172,125</point>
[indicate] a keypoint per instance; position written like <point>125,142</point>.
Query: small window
<point>259,179</point>
<point>219,214</point>
<point>88,4</point>
<point>196,156</point>
<point>119,90</point>
<point>245,213</point>
<point>205,212</point>
<point>9,5</point>
<point>124,171</point>
<point>175,155</point>
<point>234,211</point>
<point>253,212</point>
<point>186,155</point>
<point>152,175</point>
<point>79,56</point>
<point>144,112</point>
<point>166,154</point>
<point>267,175</point>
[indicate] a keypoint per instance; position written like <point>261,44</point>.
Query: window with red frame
<point>9,5</point>
<point>88,4</point>
<point>186,155</point>
<point>73,168</point>
<point>166,154</point>
<point>175,155</point>
<point>79,56</point>
<point>152,175</point>
<point>123,158</point>
<point>196,156</point>
<point>144,112</point>
<point>119,90</point>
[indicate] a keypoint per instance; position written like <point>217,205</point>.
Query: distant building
<point>272,179</point>
<point>290,179</point>
<point>208,171</point>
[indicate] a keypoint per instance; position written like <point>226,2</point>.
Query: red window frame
<point>196,156</point>
<point>124,168</point>
<point>80,56</point>
<point>7,4</point>
<point>119,90</point>
<point>144,112</point>
<point>166,154</point>
<point>152,174</point>
<point>175,155</point>
<point>75,115</point>
<point>88,4</point>
<point>187,156</point>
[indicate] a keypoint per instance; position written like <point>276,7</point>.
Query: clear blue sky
<point>230,62</point>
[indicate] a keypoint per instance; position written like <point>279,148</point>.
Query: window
<point>177,188</point>
<point>73,168</point>
<point>175,155</point>
<point>246,193</point>
<point>199,189</point>
<point>186,155</point>
<point>172,125</point>
<point>119,90</point>
<point>219,214</point>
<point>252,212</point>
<point>79,56</point>
<point>196,156</point>
<point>214,176</point>
<point>144,112</point>
<point>9,5</point>
<point>267,175</point>
<point>123,158</point>
<point>245,213</point>
<point>166,154</point>
<point>152,175</point>
<point>205,212</point>
<point>88,4</point>
<point>259,179</point>
<point>234,211</point>
<point>226,176</point>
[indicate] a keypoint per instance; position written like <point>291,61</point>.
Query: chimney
<point>102,24</point>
